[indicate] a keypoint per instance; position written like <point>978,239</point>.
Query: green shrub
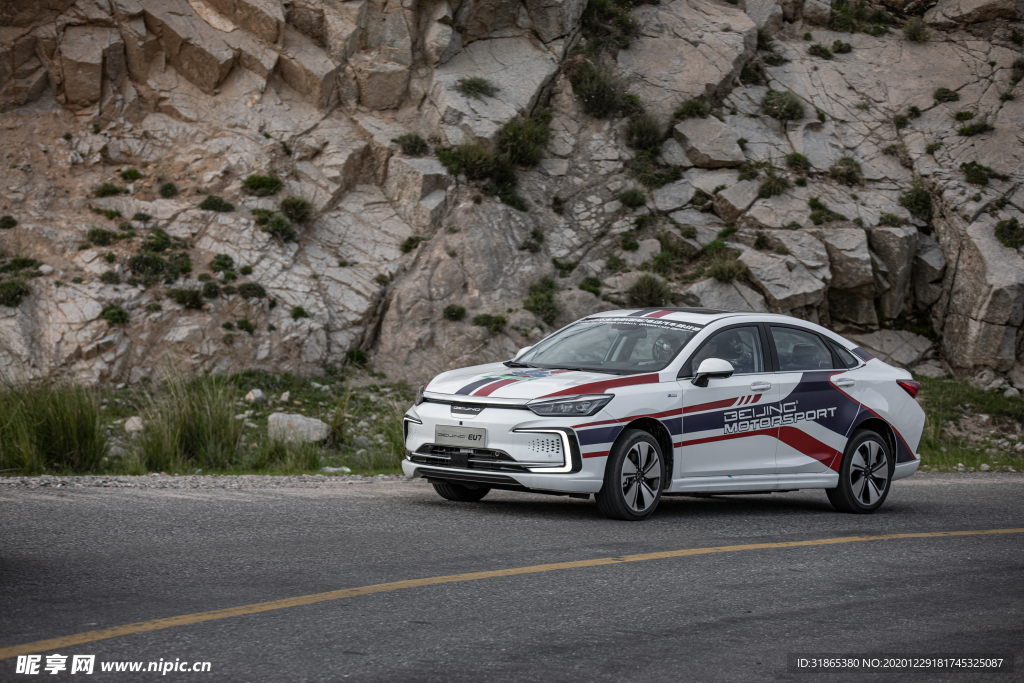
<point>629,242</point>
<point>147,266</point>
<point>50,426</point>
<point>1017,70</point>
<point>649,291</point>
<point>652,174</point>
<point>108,190</point>
<point>900,121</point>
<point>798,161</point>
<point>976,174</point>
<point>188,297</point>
<point>633,197</point>
<point>251,290</point>
<point>800,182</point>
<point>211,290</point>
<point>601,92</point>
<point>114,314</point>
<point>476,86</point>
<point>750,75</point>
<point>101,237</point>
<point>281,227</point>
<point>933,147</point>
<point>245,326</point>
<point>411,242</point>
<point>726,268</point>
<point>454,313</point>
<point>946,95</point>
<point>748,172</point>
<point>494,323</point>
<point>472,160</point>
<point>557,205</point>
<point>190,423</point>
<point>297,209</point>
<point>245,270</point>
<point>1007,97</point>
<point>761,242</point>
<point>357,357</point>
<point>644,132</point>
<point>820,213</point>
<point>262,216</point>
<point>412,144</point>
<point>130,175</point>
<point>980,126</point>
<point>963,115</point>
<point>773,184</point>
<point>841,48</point>
<point>221,263</point>
<point>7,222</point>
<point>12,292</point>
<point>299,312</point>
<point>782,105</point>
<point>918,202</point>
<point>215,203</point>
<point>592,285</point>
<point>522,139</point>
<point>142,217</point>
<point>765,41</point>
<point>914,112</point>
<point>819,50</point>
<point>156,242</point>
<point>695,108</point>
<point>1010,233</point>
<point>262,185</point>
<point>890,219</point>
<point>608,24</point>
<point>541,301</point>
<point>916,30</point>
<point>168,190</point>
<point>846,170</point>
<point>775,60</point>
<point>1016,37</point>
<point>110,278</point>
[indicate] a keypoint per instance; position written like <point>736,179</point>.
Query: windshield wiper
<point>514,364</point>
<point>604,372</point>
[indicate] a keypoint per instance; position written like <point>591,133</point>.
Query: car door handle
<point>845,382</point>
<point>758,387</point>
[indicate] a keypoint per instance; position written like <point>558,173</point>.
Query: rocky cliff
<point>856,165</point>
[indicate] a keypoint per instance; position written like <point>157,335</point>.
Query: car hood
<point>496,380</point>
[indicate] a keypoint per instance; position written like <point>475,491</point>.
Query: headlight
<point>419,394</point>
<point>570,405</point>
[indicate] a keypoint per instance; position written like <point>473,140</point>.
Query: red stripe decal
<point>677,444</point>
<point>597,454</point>
<point>667,413</point>
<point>658,314</point>
<point>604,385</point>
<point>489,389</point>
<point>757,397</point>
<point>791,436</point>
<point>724,403</point>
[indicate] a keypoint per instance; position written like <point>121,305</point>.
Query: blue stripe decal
<point>589,437</point>
<point>469,388</point>
<point>674,425</point>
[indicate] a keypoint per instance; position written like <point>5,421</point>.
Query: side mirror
<point>712,368</point>
<point>522,351</point>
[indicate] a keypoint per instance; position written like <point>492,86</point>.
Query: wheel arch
<point>658,430</point>
<point>880,427</point>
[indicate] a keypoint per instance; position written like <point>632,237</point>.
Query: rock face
<point>296,428</point>
<point>328,96</point>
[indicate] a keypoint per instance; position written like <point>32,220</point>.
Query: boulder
<point>555,18</point>
<point>307,68</point>
<point>262,18</point>
<point>896,347</point>
<point>785,282</point>
<point>852,308</point>
<point>767,14</point>
<point>648,249</point>
<point>849,258</point>
<point>817,12</point>
<point>709,143</point>
<point>929,268</point>
<point>672,154</point>
<point>778,212</point>
<point>382,85</point>
<point>256,396</point>
<point>673,196</point>
<point>805,248</point>
<point>895,248</point>
<point>416,188</point>
<point>949,13</point>
<point>134,425</point>
<point>83,50</point>
<point>726,296</point>
<point>986,301</point>
<point>193,47</point>
<point>293,428</point>
<point>732,202</point>
<point>935,368</point>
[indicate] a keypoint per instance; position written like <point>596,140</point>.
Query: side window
<point>741,346</point>
<point>799,350</point>
<point>845,356</point>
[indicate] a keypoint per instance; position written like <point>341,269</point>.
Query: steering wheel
<point>664,348</point>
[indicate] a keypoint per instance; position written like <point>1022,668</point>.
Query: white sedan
<point>632,405</point>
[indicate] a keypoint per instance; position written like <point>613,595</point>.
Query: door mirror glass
<point>712,368</point>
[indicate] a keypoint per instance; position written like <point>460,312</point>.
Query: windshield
<point>620,346</point>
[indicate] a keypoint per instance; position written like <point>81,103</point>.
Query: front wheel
<point>632,478</point>
<point>460,493</point>
<point>864,476</point>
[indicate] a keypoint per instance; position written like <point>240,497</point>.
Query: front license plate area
<point>467,437</point>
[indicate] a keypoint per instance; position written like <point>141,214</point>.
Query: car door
<point>816,416</point>
<point>727,428</point>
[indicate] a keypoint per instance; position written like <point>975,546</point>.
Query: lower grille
<point>466,458</point>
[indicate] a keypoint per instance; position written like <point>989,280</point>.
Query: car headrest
<point>805,354</point>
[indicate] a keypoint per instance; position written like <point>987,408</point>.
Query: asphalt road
<point>79,560</point>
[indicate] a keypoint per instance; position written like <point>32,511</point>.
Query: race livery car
<point>632,405</point>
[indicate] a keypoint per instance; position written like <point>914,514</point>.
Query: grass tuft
<point>454,313</point>
<point>522,139</point>
<point>782,105</point>
<point>644,132</point>
<point>541,300</point>
<point>918,202</point>
<point>494,323</point>
<point>108,190</point>
<point>1010,233</point>
<point>649,291</point>
<point>916,30</point>
<point>946,95</point>
<point>262,185</point>
<point>412,144</point>
<point>168,190</point>
<point>476,86</point>
<point>296,209</point>
<point>846,170</point>
<point>726,268</point>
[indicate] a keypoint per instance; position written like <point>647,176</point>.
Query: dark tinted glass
<point>845,356</point>
<point>741,346</point>
<point>800,350</point>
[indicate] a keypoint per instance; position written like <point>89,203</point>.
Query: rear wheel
<point>459,493</point>
<point>632,478</point>
<point>864,476</point>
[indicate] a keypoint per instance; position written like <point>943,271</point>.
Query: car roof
<point>696,315</point>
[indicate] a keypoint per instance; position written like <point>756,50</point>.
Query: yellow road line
<point>199,617</point>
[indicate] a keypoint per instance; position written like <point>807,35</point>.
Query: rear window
<point>800,350</point>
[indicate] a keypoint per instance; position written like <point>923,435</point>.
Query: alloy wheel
<point>640,477</point>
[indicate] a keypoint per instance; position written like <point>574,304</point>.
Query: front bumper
<point>587,480</point>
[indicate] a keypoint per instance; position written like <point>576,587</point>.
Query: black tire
<point>458,492</point>
<point>865,475</point>
<point>632,482</point>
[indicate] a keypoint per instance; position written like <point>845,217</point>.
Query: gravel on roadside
<point>204,481</point>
